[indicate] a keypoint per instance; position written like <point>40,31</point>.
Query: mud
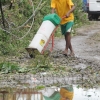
<point>83,69</point>
<point>86,43</point>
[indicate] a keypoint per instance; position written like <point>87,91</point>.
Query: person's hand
<point>64,17</point>
<point>67,15</point>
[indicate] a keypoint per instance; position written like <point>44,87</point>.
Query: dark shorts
<point>66,27</point>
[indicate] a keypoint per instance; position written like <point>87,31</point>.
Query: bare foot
<point>65,52</point>
<point>72,54</point>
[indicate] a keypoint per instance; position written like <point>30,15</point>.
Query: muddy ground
<point>86,43</point>
<point>82,69</point>
<point>86,63</point>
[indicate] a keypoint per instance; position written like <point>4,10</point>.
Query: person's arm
<point>70,11</point>
<point>53,6</point>
<point>52,10</point>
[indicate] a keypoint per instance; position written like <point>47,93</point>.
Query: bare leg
<point>68,44</point>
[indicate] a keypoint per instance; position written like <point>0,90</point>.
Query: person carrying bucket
<point>64,9</point>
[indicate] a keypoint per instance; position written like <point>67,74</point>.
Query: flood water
<point>86,94</point>
<point>30,94</point>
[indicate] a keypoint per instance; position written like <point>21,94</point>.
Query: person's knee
<point>67,34</point>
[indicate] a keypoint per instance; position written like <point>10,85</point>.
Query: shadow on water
<point>49,93</point>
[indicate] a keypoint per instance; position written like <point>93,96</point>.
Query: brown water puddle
<point>20,94</point>
<point>31,94</point>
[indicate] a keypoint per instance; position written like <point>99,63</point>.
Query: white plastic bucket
<point>46,28</point>
<point>38,42</point>
<point>43,34</point>
<point>48,92</point>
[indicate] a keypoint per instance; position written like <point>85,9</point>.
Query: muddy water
<point>86,94</point>
<point>21,95</point>
<point>29,94</point>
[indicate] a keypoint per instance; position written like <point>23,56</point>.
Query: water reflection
<point>86,94</point>
<point>37,96</point>
<point>52,93</point>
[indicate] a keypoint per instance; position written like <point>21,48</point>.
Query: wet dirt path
<point>86,43</point>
